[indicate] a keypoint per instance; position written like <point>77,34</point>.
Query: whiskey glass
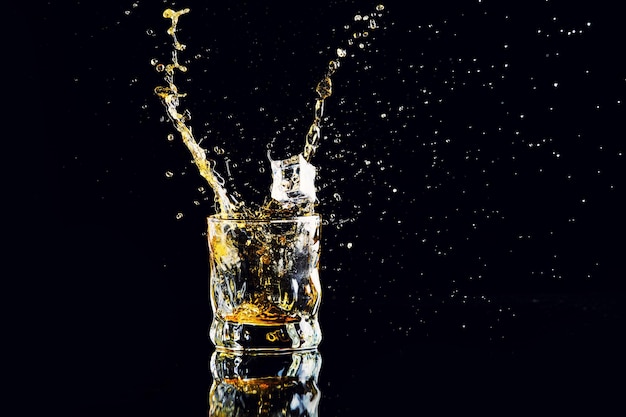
<point>264,287</point>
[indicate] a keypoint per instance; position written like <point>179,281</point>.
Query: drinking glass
<point>264,286</point>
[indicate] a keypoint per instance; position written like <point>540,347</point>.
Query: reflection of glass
<point>265,290</point>
<point>264,384</point>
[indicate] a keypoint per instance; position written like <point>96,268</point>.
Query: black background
<point>474,259</point>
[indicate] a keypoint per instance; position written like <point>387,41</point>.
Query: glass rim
<point>216,218</point>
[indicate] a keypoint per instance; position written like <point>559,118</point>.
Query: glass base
<point>303,334</point>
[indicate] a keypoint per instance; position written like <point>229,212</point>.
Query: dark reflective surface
<point>264,384</point>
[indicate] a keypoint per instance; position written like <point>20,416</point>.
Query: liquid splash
<point>170,97</point>
<point>293,188</point>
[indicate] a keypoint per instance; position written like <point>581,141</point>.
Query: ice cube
<point>293,180</point>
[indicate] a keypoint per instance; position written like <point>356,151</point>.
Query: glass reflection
<point>264,384</point>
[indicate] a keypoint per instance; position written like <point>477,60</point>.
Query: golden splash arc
<point>293,189</point>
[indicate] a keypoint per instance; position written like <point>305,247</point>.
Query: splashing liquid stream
<point>293,190</point>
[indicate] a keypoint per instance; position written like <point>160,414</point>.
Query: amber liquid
<point>261,386</point>
<point>260,314</point>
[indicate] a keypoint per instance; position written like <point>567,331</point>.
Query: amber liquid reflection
<point>264,384</point>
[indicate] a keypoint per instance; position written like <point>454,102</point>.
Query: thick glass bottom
<point>295,335</point>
